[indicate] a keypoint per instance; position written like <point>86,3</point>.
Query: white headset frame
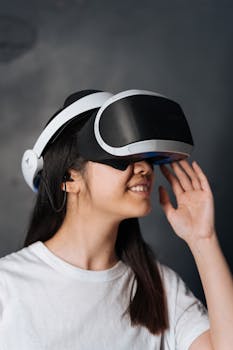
<point>32,160</point>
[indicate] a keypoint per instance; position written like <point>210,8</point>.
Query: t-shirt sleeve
<point>1,297</point>
<point>3,294</point>
<point>188,316</point>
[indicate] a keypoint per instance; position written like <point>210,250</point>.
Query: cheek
<point>109,191</point>
<point>106,183</point>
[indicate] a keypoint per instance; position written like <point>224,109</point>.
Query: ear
<point>73,184</point>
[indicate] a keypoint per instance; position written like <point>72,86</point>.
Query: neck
<point>86,241</point>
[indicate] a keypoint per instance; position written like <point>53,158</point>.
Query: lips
<point>145,183</point>
<point>140,187</point>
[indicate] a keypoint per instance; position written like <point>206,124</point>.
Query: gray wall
<point>182,49</point>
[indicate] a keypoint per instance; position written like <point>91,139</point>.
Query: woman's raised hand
<point>193,219</point>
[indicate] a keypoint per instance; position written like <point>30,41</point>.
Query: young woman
<point>86,279</point>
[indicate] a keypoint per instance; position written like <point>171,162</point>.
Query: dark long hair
<point>148,307</point>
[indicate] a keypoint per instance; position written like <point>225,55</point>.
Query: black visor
<point>143,117</point>
<point>135,127</point>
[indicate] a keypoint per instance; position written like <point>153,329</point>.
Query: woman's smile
<point>142,190</point>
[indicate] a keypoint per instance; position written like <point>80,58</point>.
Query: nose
<point>144,167</point>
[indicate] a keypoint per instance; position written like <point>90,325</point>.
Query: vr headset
<point>129,126</point>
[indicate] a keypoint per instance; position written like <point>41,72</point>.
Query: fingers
<point>202,177</point>
<point>187,175</point>
<point>186,178</point>
<point>182,176</point>
<point>176,186</point>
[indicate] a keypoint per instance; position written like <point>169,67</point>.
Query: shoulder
<point>180,297</point>
<point>187,314</point>
<point>16,268</point>
<point>170,277</point>
<point>16,264</point>
<point>12,260</point>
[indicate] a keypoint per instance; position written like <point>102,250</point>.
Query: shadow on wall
<point>17,36</point>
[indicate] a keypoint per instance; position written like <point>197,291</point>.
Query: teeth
<point>139,188</point>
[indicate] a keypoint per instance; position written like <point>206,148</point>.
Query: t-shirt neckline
<point>42,251</point>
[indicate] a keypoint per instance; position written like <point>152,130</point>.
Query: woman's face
<point>121,194</point>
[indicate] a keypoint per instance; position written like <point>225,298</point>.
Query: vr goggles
<point>123,128</point>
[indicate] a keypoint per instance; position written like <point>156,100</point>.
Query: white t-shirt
<point>49,304</point>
